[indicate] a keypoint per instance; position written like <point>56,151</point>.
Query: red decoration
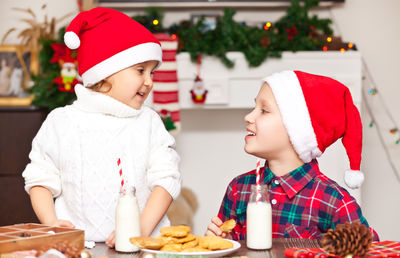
<point>165,90</point>
<point>291,32</point>
<point>198,91</point>
<point>69,73</point>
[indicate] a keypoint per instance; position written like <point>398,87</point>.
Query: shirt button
<point>273,201</point>
<point>276,182</point>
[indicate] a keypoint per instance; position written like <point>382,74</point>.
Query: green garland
<point>227,36</point>
<point>295,31</point>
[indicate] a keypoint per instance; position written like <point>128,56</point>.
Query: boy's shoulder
<point>331,187</point>
<point>245,178</point>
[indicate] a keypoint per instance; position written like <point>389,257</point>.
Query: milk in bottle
<point>259,219</point>
<point>127,221</point>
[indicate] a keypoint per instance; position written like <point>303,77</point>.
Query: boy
<point>297,116</point>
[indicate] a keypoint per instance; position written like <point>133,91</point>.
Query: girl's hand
<point>62,223</point>
<point>111,240</point>
<point>213,228</point>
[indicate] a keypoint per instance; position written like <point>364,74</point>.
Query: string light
<point>329,39</point>
<point>155,22</point>
<point>350,45</point>
<point>267,26</point>
<point>373,92</point>
<point>393,131</point>
<point>325,48</point>
<point>393,162</point>
<point>342,50</point>
<point>173,36</point>
<point>371,124</point>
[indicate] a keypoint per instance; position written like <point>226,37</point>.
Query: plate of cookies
<point>177,240</point>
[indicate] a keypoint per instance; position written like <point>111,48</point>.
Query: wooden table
<point>277,250</point>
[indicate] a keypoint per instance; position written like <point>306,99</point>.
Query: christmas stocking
<point>165,88</point>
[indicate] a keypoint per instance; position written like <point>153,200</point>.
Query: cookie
<point>191,244</point>
<point>168,240</point>
<point>175,231</point>
<point>172,248</point>
<point>214,243</point>
<point>185,239</point>
<point>147,242</point>
<point>228,225</point>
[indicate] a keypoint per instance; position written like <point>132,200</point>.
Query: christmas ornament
<point>165,87</point>
<point>291,32</point>
<point>265,41</point>
<point>67,61</point>
<point>349,239</point>
<point>167,119</point>
<point>198,91</point>
<point>45,90</point>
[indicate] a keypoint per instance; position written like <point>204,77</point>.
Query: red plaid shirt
<point>305,203</point>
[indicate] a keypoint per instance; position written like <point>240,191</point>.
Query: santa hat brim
<point>124,59</point>
<point>295,116</point>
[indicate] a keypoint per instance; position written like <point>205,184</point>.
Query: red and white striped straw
<point>258,194</point>
<point>258,172</point>
<point>121,175</point>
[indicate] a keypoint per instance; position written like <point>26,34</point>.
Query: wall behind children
<point>211,147</point>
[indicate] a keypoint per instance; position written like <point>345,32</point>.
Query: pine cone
<point>354,239</point>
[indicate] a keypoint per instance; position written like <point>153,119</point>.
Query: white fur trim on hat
<point>353,178</point>
<point>71,40</point>
<point>124,59</point>
<point>296,118</point>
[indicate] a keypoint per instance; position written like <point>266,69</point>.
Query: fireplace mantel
<point>237,87</point>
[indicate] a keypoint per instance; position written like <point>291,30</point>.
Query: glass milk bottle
<point>259,219</point>
<point>127,221</point>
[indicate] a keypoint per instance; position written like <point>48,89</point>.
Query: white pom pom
<point>71,40</point>
<point>353,178</point>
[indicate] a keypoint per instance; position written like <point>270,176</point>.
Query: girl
<point>74,155</point>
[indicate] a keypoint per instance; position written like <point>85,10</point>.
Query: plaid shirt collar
<point>294,181</point>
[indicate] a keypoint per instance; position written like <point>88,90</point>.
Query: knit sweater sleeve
<point>44,158</point>
<point>163,161</point>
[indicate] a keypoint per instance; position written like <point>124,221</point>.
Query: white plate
<point>236,246</point>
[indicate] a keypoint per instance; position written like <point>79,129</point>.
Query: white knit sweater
<point>75,154</point>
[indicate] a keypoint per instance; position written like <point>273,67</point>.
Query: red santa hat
<point>109,41</point>
<point>317,111</point>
